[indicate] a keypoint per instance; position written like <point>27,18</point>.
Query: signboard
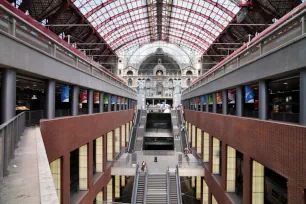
<point>126,100</point>
<point>231,96</point>
<point>96,98</point>
<point>83,98</point>
<point>210,99</point>
<point>65,94</point>
<point>113,100</point>
<point>105,99</point>
<point>203,100</point>
<point>249,95</point>
<point>118,100</point>
<point>122,100</point>
<point>219,98</point>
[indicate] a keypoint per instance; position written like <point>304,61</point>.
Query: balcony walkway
<point>29,180</point>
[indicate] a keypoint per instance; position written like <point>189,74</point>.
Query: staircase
<point>141,188</point>
<point>173,189</point>
<point>157,189</point>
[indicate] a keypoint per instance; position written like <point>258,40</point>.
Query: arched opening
<point>188,82</point>
<point>129,73</point>
<point>130,82</point>
<point>170,83</point>
<point>188,73</point>
<point>159,89</point>
<point>159,73</point>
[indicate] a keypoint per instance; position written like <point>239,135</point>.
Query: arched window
<point>188,82</point>
<point>130,82</point>
<point>129,73</point>
<point>189,73</point>
<point>170,83</point>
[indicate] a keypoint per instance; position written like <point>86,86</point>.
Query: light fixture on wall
<point>34,97</point>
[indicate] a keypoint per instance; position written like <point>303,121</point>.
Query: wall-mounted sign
<point>96,98</point>
<point>231,96</point>
<point>105,99</point>
<point>219,98</point>
<point>65,94</point>
<point>83,98</point>
<point>249,95</point>
<point>210,99</point>
<point>203,100</point>
<point>113,100</point>
<point>118,100</point>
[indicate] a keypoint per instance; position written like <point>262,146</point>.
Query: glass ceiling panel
<point>125,24</point>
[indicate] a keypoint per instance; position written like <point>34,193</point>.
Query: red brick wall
<point>63,135</point>
<point>278,146</point>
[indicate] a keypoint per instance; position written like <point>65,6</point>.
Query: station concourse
<point>153,102</point>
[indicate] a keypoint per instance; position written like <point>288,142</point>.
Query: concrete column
<point>206,105</point>
<point>109,102</point>
<point>90,101</point>
<point>8,94</point>
<point>303,97</point>
<point>119,105</point>
<point>50,99</point>
<point>75,100</point>
<point>224,102</point>
<point>201,105</point>
<point>101,105</point>
<point>214,95</point>
<point>239,101</point>
<point>263,100</point>
<point>115,105</point>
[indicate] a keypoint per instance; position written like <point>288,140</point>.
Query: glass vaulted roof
<point>128,23</point>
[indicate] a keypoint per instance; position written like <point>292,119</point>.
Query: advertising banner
<point>126,100</point>
<point>105,99</point>
<point>113,100</point>
<point>210,99</point>
<point>249,95</point>
<point>65,94</point>
<point>83,98</point>
<point>203,100</point>
<point>219,98</point>
<point>122,100</point>
<point>231,96</point>
<point>96,98</point>
<point>118,100</point>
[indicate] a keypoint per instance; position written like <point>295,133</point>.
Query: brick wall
<point>278,146</point>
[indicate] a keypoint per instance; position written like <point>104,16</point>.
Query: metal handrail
<point>38,28</point>
<point>168,186</point>
<point>10,133</point>
<point>178,185</point>
<point>258,40</point>
<point>146,186</point>
<point>135,185</point>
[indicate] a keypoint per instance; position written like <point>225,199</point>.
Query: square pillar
<point>50,99</point>
<point>101,105</point>
<point>115,104</point>
<point>201,105</point>
<point>8,94</point>
<point>303,97</point>
<point>224,102</point>
<point>214,96</point>
<point>263,100</point>
<point>75,100</point>
<point>90,101</point>
<point>239,101</point>
<point>109,103</point>
<point>206,104</point>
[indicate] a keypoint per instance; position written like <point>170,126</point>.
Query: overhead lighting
<point>34,85</point>
<point>285,83</point>
<point>34,97</point>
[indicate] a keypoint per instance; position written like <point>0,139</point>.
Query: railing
<point>178,185</point>
<point>135,185</point>
<point>146,186</point>
<point>197,155</point>
<point>287,29</point>
<point>159,152</point>
<point>168,186</point>
<point>190,164</point>
<point>19,26</point>
<point>184,131</point>
<point>10,133</point>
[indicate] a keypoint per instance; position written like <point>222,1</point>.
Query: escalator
<point>140,187</point>
<point>174,187</point>
<point>133,132</point>
<point>183,132</point>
